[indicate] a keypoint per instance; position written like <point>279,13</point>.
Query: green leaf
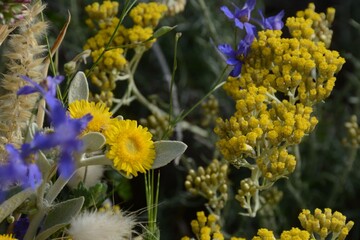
<point>162,31</point>
<point>166,151</point>
<point>79,88</point>
<point>60,216</point>
<point>93,141</point>
<point>7,207</point>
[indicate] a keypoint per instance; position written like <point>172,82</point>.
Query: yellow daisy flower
<point>100,112</point>
<point>7,237</point>
<point>131,148</point>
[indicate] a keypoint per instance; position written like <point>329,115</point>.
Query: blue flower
<point>236,57</point>
<point>242,16</point>
<point>274,22</point>
<point>66,129</point>
<point>48,86</point>
<point>20,168</point>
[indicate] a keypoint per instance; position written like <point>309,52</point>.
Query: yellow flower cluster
<point>138,34</point>
<point>260,121</point>
<point>311,25</point>
<point>281,79</point>
<point>300,68</point>
<point>321,224</point>
<point>264,234</point>
<point>325,222</point>
<point>205,227</point>
<point>104,12</point>
<point>148,14</point>
<point>295,234</point>
<point>102,17</point>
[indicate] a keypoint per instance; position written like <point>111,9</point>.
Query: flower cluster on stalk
<point>112,58</point>
<point>275,83</point>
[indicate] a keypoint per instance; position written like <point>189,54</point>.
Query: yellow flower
<point>131,148</point>
<point>7,237</point>
<point>101,114</point>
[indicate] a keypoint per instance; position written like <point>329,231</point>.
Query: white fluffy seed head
<point>101,225</point>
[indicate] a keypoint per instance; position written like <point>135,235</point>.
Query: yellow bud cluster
<point>103,18</point>
<point>325,222</point>
<point>104,96</point>
<point>245,192</point>
<point>211,183</point>
<point>295,234</point>
<point>205,227</point>
<point>261,121</point>
<point>300,68</point>
<point>148,14</point>
<point>210,111</point>
<point>311,25</point>
<point>276,163</point>
<point>264,234</point>
<point>157,124</point>
<point>109,66</point>
<point>99,13</point>
<point>138,34</point>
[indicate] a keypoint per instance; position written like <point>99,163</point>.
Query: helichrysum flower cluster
<point>102,18</point>
<point>311,25</point>
<point>205,227</point>
<point>324,223</point>
<point>275,83</point>
<point>319,225</point>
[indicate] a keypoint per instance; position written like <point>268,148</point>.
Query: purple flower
<point>20,168</point>
<point>48,86</point>
<point>236,57</point>
<point>274,22</point>
<point>242,16</point>
<point>66,129</point>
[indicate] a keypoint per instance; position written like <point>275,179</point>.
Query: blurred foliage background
<point>324,157</point>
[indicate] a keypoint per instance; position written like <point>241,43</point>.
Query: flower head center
<point>132,145</point>
<point>244,18</point>
<point>240,57</point>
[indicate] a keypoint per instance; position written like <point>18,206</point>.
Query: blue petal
<point>227,12</point>
<point>66,164</point>
<point>232,61</point>
<point>26,90</point>
<point>226,49</point>
<point>236,71</point>
<point>250,4</point>
<point>239,24</point>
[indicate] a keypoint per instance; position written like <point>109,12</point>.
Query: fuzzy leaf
<point>79,88</point>
<point>162,31</point>
<point>93,141</point>
<point>7,207</point>
<point>166,151</point>
<point>60,216</point>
